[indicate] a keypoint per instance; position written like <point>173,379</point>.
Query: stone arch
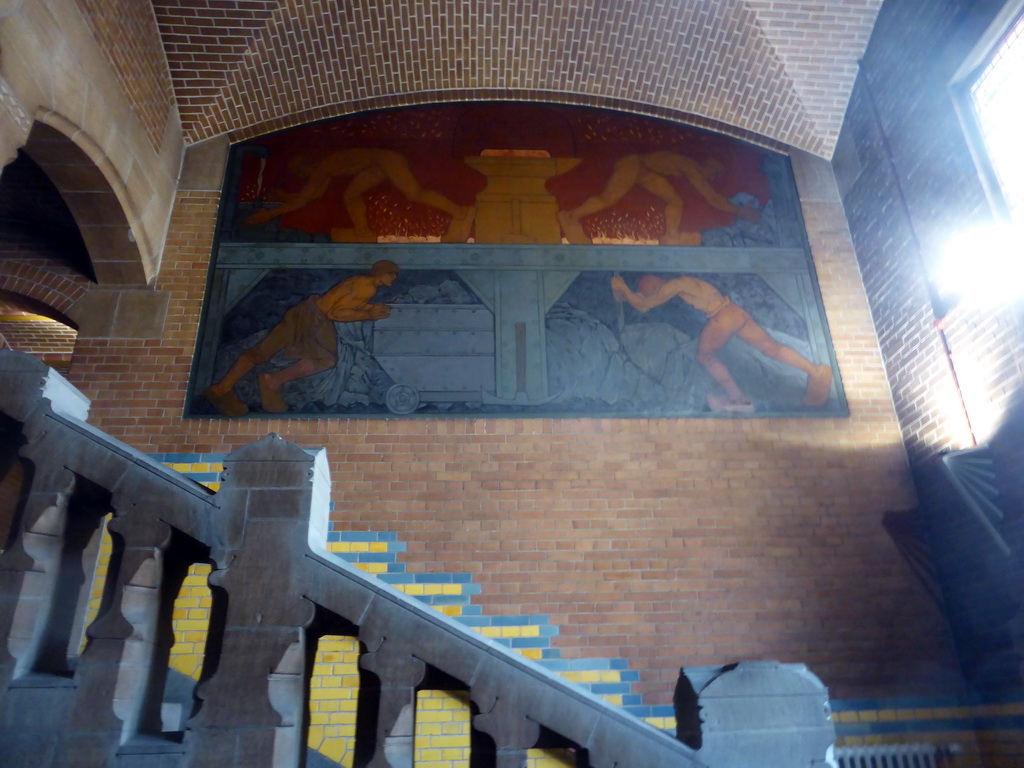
<point>58,292</point>
<point>36,327</point>
<point>95,195</point>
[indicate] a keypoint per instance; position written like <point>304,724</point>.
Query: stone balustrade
<point>274,596</point>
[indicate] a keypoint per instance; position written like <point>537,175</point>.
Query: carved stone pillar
<point>502,715</point>
<point>397,673</point>
<point>512,733</point>
<point>29,572</point>
<point>252,707</point>
<point>117,675</point>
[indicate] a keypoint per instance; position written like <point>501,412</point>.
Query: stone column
<point>119,685</point>
<point>512,733</point>
<point>397,674</point>
<point>29,571</point>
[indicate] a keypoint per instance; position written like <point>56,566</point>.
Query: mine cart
<point>435,353</point>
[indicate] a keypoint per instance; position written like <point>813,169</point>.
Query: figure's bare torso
<point>699,294</point>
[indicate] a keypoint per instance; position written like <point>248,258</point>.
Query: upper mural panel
<point>510,259</point>
<point>506,173</point>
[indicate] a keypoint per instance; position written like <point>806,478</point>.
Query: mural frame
<point>517,284</point>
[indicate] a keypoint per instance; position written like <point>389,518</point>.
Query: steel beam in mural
<point>510,259</point>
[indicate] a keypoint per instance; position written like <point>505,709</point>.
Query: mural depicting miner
<point>725,320</point>
<point>306,335</point>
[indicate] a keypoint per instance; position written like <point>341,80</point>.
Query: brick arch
<point>94,193</point>
<point>59,292</point>
<point>535,96</point>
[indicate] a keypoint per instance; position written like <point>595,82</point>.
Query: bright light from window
<point>983,266</point>
<point>996,97</point>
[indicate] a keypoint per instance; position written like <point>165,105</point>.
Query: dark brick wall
<point>908,180</point>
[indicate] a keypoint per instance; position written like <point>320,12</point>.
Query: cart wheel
<point>402,399</point>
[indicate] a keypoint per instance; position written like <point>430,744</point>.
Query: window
<point>988,92</point>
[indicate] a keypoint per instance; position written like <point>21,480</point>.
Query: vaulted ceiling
<point>776,70</point>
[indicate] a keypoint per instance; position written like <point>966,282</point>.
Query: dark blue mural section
<point>516,331</point>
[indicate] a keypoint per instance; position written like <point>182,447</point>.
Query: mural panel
<point>510,259</point>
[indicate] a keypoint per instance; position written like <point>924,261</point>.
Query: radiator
<point>891,756</point>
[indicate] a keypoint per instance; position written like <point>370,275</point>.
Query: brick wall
<point>665,542</point>
<point>778,70</point>
<point>909,181</point>
<point>128,36</point>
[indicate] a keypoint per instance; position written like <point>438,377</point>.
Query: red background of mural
<point>435,139</point>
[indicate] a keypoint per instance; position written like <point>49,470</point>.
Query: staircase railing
<point>275,592</point>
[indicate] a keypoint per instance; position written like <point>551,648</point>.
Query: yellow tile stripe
<point>938,713</point>
<point>197,467</point>
<point>550,758</point>
<point>374,569</point>
<point>357,546</point>
<point>99,579</point>
<point>191,621</point>
<point>593,676</point>
<point>429,589</point>
<point>917,715</point>
<point>662,723</point>
<point>333,698</point>
<point>937,737</point>
<point>523,630</point>
<point>442,729</point>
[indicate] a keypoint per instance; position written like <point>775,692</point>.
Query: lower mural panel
<point>512,331</point>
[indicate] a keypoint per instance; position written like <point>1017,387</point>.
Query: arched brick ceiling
<point>779,70</point>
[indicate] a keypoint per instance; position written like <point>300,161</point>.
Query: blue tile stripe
<point>369,557</point>
<point>204,477</point>
<point>189,458</point>
<point>505,621</point>
<point>904,726</point>
<point>335,535</point>
<point>909,722</point>
<point>905,702</point>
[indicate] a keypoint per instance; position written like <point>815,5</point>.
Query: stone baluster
<point>397,673</point>
<point>511,732</point>
<point>121,671</point>
<point>30,566</point>
<point>29,571</point>
<point>287,691</point>
<point>134,694</point>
